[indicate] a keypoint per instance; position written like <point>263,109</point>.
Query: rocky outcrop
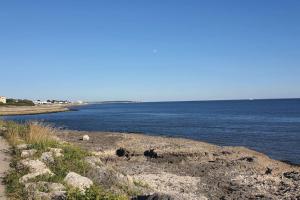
<point>36,168</point>
<point>106,175</point>
<point>77,181</point>
<point>49,156</point>
<point>45,191</point>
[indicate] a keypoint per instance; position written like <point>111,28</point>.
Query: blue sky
<point>150,50</point>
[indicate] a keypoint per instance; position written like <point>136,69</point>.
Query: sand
<point>29,110</point>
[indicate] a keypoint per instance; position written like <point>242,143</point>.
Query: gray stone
<point>28,153</point>
<point>94,161</point>
<point>36,168</point>
<point>47,157</point>
<point>77,181</point>
<point>109,177</point>
<point>45,191</point>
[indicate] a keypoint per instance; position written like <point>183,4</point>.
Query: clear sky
<point>150,50</point>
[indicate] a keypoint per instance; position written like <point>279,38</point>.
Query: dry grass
<point>39,133</point>
<point>30,133</point>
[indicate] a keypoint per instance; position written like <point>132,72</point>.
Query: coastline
<point>140,167</point>
<point>190,169</point>
<point>33,110</point>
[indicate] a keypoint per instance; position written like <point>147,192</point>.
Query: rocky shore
<point>54,164</point>
<point>186,169</point>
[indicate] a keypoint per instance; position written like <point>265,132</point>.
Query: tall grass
<point>30,133</point>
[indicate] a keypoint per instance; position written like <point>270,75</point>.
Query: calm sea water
<point>268,126</point>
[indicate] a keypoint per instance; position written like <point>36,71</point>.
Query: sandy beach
<point>30,110</point>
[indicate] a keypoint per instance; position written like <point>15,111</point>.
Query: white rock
<point>47,157</point>
<point>77,181</point>
<point>93,161</point>
<point>36,168</point>
<point>2,128</point>
<point>45,190</point>
<point>22,146</point>
<point>28,153</point>
<point>85,138</point>
<point>56,152</point>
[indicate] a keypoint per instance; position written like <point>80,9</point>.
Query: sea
<point>268,126</point>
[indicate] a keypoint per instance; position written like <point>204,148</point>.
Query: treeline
<point>18,102</point>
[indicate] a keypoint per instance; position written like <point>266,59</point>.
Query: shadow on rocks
<point>150,154</point>
<point>153,197</point>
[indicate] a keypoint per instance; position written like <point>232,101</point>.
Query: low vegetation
<point>41,138</point>
<point>17,102</point>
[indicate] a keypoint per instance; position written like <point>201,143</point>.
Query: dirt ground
<point>187,169</point>
<point>4,165</point>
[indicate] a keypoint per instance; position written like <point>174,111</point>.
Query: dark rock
<point>122,152</point>
<point>150,153</point>
<point>226,152</point>
<point>248,159</point>
<point>292,175</point>
<point>268,171</point>
<point>153,197</point>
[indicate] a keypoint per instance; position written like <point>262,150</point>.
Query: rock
<point>150,153</point>
<point>47,157</point>
<point>85,138</point>
<point>77,181</point>
<point>155,196</point>
<point>268,171</point>
<point>94,161</point>
<point>2,128</point>
<point>45,191</point>
<point>122,152</point>
<point>109,177</point>
<point>28,153</point>
<point>22,146</point>
<point>292,175</point>
<point>36,168</point>
<point>247,158</point>
<point>56,152</point>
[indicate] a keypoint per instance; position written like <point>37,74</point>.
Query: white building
<point>2,99</point>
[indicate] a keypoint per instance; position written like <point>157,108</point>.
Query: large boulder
<point>77,181</point>
<point>36,168</point>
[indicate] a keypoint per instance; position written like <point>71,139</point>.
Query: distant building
<point>2,99</point>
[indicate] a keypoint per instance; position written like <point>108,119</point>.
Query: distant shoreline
<point>34,110</point>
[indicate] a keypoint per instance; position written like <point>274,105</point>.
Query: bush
<point>19,102</point>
